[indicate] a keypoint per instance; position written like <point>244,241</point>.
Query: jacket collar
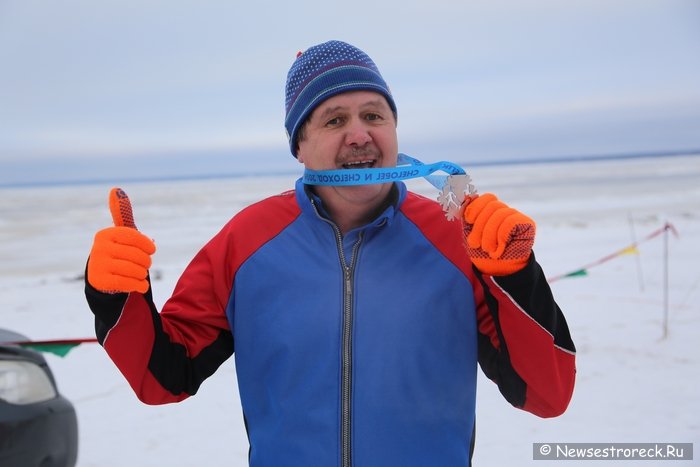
<point>308,201</point>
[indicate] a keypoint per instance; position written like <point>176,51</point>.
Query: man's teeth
<point>359,164</point>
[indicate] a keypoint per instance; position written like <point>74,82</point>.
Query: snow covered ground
<point>632,386</point>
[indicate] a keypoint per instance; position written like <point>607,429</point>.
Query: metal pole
<point>665,291</point>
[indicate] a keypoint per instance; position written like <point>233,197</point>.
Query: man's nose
<point>357,134</point>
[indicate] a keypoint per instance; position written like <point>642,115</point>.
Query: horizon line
<point>217,176</point>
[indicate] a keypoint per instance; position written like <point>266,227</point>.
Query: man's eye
<point>334,121</point>
<point>372,117</point>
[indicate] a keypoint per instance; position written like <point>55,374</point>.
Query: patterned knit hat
<point>323,71</point>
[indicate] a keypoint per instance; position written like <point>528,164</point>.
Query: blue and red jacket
<point>351,350</point>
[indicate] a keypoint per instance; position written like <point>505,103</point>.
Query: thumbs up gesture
<point>120,255</point>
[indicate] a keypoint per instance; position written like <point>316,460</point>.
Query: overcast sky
<point>199,85</point>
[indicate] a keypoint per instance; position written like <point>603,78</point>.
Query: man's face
<point>353,130</point>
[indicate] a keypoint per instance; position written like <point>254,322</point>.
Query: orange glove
<point>499,238</point>
<point>120,255</point>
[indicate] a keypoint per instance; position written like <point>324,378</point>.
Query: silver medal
<point>453,193</point>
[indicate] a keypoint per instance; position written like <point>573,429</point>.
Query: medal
<point>453,194</point>
<point>454,187</point>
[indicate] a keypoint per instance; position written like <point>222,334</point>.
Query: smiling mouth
<point>362,164</point>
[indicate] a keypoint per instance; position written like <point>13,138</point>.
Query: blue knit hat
<point>323,71</point>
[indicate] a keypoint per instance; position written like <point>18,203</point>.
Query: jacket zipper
<point>346,389</point>
<point>346,371</point>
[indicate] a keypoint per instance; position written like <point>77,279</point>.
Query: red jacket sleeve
<point>524,342</point>
<point>523,339</point>
<point>165,356</point>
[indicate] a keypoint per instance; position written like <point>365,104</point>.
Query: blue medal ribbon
<point>407,167</point>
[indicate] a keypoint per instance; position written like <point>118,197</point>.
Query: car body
<point>38,426</point>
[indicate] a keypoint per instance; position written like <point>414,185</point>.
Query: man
<point>357,313</point>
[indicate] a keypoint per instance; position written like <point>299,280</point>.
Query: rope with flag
<point>628,250</point>
<point>59,347</point>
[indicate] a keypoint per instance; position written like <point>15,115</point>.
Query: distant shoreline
<point>290,172</point>
<point>590,158</point>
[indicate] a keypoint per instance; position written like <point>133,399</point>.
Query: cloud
<point>85,77</point>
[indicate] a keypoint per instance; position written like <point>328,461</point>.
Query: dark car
<point>38,426</point>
